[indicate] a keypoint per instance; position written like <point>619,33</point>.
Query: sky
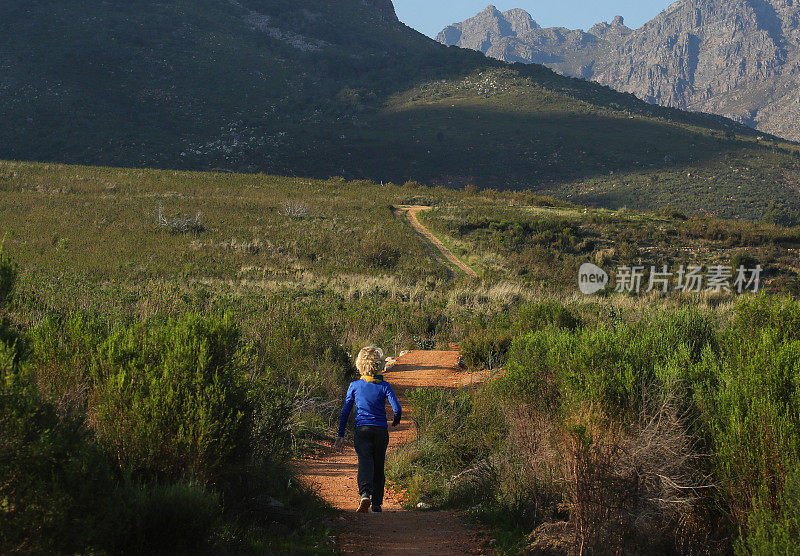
<point>431,16</point>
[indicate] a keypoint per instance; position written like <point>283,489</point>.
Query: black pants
<point>371,444</point>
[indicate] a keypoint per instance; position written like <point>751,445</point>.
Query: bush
<point>456,431</point>
<point>381,255</point>
<point>729,393</point>
<point>53,482</point>
<point>672,214</point>
<point>628,487</point>
<point>59,494</point>
<point>120,435</point>
<point>8,277</point>
<point>165,396</point>
<point>488,349</point>
<point>295,209</point>
<point>485,352</point>
<point>781,215</point>
<point>169,395</point>
<point>538,316</point>
<point>168,412</point>
<point>774,525</point>
<point>634,434</point>
<point>749,403</point>
<point>178,518</point>
<point>743,259</point>
<point>63,352</point>
<point>270,427</point>
<point>754,314</point>
<point>180,224</point>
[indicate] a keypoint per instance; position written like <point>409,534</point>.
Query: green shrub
<point>8,277</point>
<point>299,345</point>
<point>52,480</point>
<point>622,367</point>
<point>177,518</point>
<point>58,493</point>
<point>734,391</point>
<point>749,403</point>
<point>63,350</point>
<point>744,259</point>
<point>672,213</point>
<point>381,255</point>
<point>781,215</point>
<point>773,527</point>
<point>169,396</point>
<point>126,435</point>
<point>456,431</point>
<point>488,348</point>
<point>755,313</point>
<point>538,316</point>
<point>271,430</point>
<point>532,362</point>
<point>485,352</point>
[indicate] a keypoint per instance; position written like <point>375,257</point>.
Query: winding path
<point>440,252</point>
<point>395,531</point>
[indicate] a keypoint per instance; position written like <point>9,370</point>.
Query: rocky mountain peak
<point>736,58</point>
<point>520,20</point>
<point>614,32</point>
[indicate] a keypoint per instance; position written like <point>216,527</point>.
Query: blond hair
<point>370,361</point>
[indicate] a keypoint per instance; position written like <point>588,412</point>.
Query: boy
<point>369,394</point>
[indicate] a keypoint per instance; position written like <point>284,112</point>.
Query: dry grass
<point>625,487</point>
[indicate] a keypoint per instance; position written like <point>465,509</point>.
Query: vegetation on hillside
<point>675,432</point>
<point>327,88</point>
<point>546,244</point>
<point>104,231</point>
<point>159,435</point>
<point>172,341</point>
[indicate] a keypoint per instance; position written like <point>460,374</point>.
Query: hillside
<point>175,346</point>
<point>739,59</point>
<point>70,227</point>
<point>341,88</point>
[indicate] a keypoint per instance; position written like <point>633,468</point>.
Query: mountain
<point>736,58</point>
<point>513,36</point>
<point>321,88</point>
<point>384,6</point>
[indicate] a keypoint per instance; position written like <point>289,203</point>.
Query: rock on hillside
<point>736,58</point>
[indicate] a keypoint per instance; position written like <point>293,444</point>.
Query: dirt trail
<point>396,531</point>
<point>411,212</point>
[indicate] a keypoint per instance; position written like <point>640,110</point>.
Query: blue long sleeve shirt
<point>370,401</point>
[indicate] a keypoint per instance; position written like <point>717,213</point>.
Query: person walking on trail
<point>369,394</point>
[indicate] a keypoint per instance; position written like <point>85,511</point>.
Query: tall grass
<point>677,431</point>
<point>128,434</point>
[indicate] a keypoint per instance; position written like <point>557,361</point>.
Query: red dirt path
<point>396,531</point>
<point>439,248</point>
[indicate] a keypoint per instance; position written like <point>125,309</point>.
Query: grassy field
<point>101,225</point>
<point>182,337</point>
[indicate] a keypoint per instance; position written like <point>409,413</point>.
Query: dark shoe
<point>375,509</point>
<point>363,506</point>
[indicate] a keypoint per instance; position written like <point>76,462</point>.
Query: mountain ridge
<point>736,58</point>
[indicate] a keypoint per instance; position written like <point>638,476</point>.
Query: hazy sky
<point>431,16</point>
